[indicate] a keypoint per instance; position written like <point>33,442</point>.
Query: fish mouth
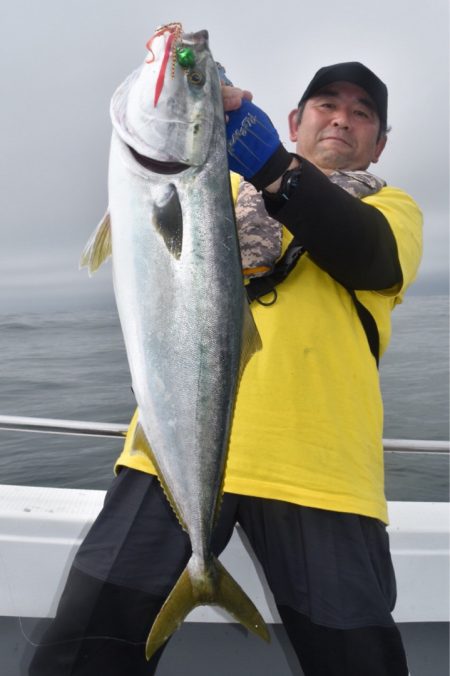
<point>156,166</point>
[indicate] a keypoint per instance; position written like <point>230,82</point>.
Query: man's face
<point>339,129</point>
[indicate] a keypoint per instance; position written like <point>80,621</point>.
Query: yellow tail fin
<point>216,587</point>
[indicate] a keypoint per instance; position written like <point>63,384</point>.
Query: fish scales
<point>184,346</point>
<point>178,284</point>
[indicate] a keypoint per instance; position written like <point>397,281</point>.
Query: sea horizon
<point>72,365</point>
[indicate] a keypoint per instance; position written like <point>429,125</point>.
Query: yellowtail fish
<point>178,284</point>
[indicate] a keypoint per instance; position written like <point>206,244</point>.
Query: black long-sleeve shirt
<point>347,238</point>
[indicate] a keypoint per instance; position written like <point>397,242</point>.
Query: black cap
<point>357,73</point>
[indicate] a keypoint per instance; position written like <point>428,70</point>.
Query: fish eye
<point>195,77</point>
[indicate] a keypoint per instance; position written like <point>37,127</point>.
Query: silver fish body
<point>178,284</point>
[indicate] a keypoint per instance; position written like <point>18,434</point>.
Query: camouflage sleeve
<point>259,235</point>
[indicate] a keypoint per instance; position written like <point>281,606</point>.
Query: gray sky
<point>61,61</point>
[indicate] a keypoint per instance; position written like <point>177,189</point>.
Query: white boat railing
<point>41,529</point>
<point>57,426</point>
<point>114,430</point>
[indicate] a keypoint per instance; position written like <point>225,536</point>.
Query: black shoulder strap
<point>369,326</point>
<point>262,286</point>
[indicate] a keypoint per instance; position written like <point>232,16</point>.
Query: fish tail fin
<point>216,587</point>
<point>232,598</point>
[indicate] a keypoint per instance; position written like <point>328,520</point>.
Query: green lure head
<point>185,57</point>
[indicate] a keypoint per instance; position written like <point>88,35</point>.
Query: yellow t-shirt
<point>308,421</point>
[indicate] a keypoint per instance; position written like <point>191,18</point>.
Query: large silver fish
<point>178,283</point>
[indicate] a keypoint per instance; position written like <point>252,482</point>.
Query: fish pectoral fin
<point>167,218</point>
<point>251,340</point>
<point>216,587</point>
<point>98,247</point>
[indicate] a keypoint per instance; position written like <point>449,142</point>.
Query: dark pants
<point>330,573</point>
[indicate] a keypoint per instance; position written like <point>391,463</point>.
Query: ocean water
<point>73,366</point>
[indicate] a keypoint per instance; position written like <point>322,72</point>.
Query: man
<point>305,468</point>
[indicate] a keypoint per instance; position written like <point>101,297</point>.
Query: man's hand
<point>254,148</point>
<point>251,139</point>
<point>232,98</point>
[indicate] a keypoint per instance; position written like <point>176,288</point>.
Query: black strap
<point>262,286</point>
<point>369,326</point>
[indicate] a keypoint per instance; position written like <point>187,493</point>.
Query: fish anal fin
<point>140,443</point>
<point>215,587</point>
<point>251,343</point>
<point>251,340</point>
<point>98,247</point>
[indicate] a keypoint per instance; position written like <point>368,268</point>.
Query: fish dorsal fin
<point>98,248</point>
<point>141,443</point>
<point>251,340</point>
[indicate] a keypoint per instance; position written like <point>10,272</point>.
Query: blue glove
<point>254,148</point>
<point>251,139</point>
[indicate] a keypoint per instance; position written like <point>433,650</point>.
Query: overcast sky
<point>61,61</point>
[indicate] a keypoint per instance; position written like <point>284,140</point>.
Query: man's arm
<point>349,239</point>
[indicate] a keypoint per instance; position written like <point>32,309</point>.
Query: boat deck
<point>203,648</point>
